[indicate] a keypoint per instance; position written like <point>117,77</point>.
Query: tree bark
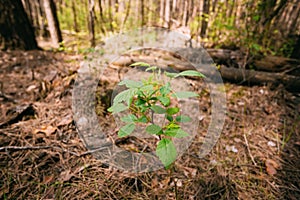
<point>75,24</point>
<point>167,14</point>
<point>143,21</point>
<point>161,11</point>
<point>16,31</point>
<point>288,76</point>
<point>204,22</point>
<point>28,9</point>
<point>296,50</point>
<point>128,8</point>
<point>110,7</point>
<point>92,22</point>
<point>185,16</point>
<point>53,24</point>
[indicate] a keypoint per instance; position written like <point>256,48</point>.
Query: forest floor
<point>42,156</point>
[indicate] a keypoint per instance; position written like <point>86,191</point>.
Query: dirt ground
<point>42,156</point>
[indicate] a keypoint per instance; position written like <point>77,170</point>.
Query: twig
<point>247,144</point>
<point>21,148</point>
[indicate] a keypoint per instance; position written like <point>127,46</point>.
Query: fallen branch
<point>248,148</point>
<point>230,74</point>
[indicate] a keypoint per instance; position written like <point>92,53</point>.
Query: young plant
<point>152,96</point>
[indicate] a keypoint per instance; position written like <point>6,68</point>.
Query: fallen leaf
<point>271,166</point>
<point>179,183</point>
<point>47,179</point>
<point>66,175</point>
<point>164,183</point>
<point>30,88</point>
<point>271,144</point>
<point>48,130</point>
<point>65,121</point>
<point>231,148</point>
<point>189,172</point>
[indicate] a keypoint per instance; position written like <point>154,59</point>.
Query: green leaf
<point>142,64</point>
<point>177,133</point>
<point>147,89</point>
<point>183,118</point>
<point>142,119</point>
<point>154,129</point>
<point>125,95</point>
<point>164,100</point>
<point>151,68</point>
<point>166,152</point>
<point>143,108</point>
<point>190,73</point>
<point>172,111</point>
<point>257,47</point>
<point>169,117</point>
<point>129,118</point>
<point>172,125</point>
<point>118,107</point>
<point>256,18</point>
<point>158,109</point>
<point>140,102</point>
<point>131,83</point>
<point>166,89</point>
<point>170,74</point>
<point>126,130</point>
<point>185,94</point>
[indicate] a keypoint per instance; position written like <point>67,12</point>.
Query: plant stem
<point>171,170</point>
<point>152,121</point>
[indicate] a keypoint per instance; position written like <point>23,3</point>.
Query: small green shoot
<point>146,97</point>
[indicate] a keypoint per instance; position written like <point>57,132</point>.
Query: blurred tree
<point>53,24</point>
<point>91,25</point>
<point>16,31</point>
<point>75,24</point>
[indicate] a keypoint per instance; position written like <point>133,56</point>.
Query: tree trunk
<point>92,22</point>
<point>143,22</point>
<point>296,50</point>
<point>39,15</point>
<point>102,20</point>
<point>16,31</point>
<point>128,8</point>
<point>204,16</point>
<point>75,24</point>
<point>28,9</point>
<point>53,24</point>
<point>161,11</point>
<point>110,7</point>
<point>167,14</point>
<point>185,13</point>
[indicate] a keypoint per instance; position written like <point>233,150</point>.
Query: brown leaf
<point>47,179</point>
<point>271,166</point>
<point>48,130</point>
<point>189,172</point>
<point>65,121</point>
<point>164,183</point>
<point>66,175</point>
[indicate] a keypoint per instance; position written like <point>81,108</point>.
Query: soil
<point>42,156</point>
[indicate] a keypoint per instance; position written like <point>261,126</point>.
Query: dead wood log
<point>267,63</point>
<point>244,76</point>
<point>230,74</point>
